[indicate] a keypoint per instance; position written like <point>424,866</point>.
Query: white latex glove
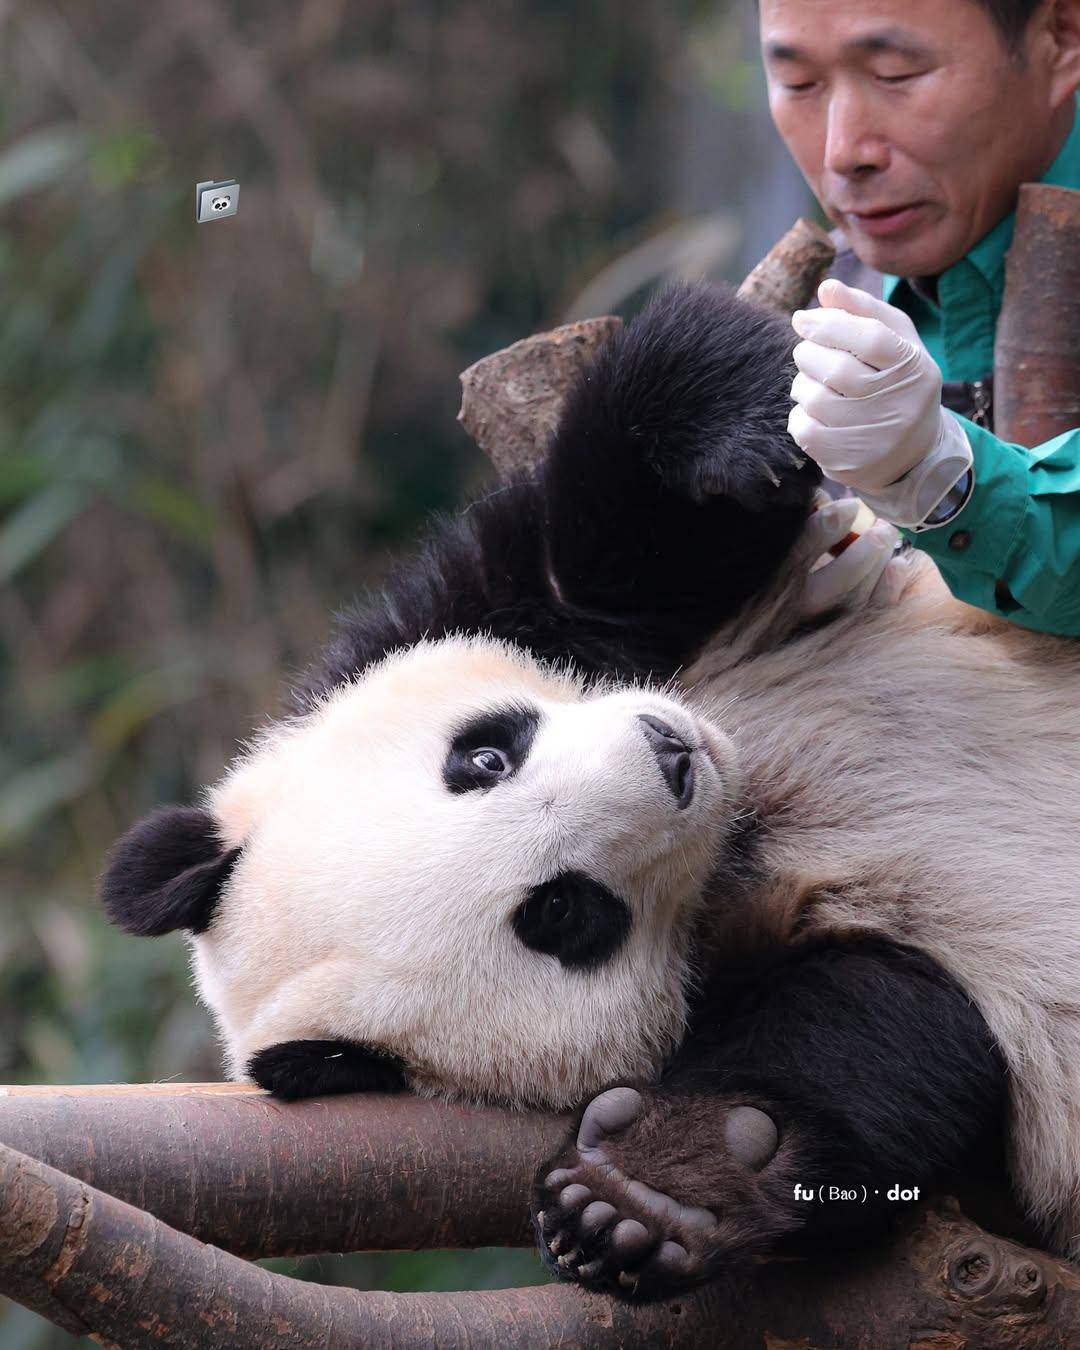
<point>858,575</point>
<point>868,405</point>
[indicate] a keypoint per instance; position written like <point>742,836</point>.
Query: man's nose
<point>853,142</point>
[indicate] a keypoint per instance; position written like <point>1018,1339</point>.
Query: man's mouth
<point>886,220</point>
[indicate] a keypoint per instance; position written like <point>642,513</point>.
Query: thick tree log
<point>232,1166</point>
<point>93,1264</point>
<point>511,401</point>
<point>1037,354</point>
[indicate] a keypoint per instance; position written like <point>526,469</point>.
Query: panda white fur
<point>582,799</point>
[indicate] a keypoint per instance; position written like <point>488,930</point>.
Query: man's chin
<point>912,252</point>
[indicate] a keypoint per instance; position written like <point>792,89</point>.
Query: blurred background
<point>213,435</point>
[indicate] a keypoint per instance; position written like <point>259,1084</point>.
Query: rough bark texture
<point>95,1265</point>
<point>1037,355</point>
<point>789,274</point>
<point>511,401</point>
<point>231,1166</point>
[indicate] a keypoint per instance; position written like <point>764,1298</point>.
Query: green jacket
<point>1017,541</point>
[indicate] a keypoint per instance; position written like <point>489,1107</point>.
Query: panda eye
<point>489,760</point>
<point>558,907</point>
<point>490,748</point>
<point>574,919</point>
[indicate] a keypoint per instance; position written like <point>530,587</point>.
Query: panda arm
<point>861,1067</point>
<point>670,496</point>
<point>673,492</point>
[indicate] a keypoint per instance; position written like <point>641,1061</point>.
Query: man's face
<point>910,119</point>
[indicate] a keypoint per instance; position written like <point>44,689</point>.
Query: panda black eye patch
<point>574,919</point>
<point>489,748</point>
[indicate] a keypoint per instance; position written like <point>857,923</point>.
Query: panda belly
<point>929,792</point>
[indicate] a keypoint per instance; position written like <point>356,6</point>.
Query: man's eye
<point>490,761</point>
<point>897,79</point>
<point>800,88</point>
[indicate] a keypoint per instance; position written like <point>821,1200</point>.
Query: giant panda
<point>583,809</point>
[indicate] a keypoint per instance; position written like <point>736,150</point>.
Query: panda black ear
<point>167,873</point>
<point>294,1069</point>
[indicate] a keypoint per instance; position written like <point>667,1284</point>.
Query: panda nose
<point>673,756</point>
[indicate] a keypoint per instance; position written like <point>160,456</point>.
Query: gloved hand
<point>863,573</point>
<point>868,405</point>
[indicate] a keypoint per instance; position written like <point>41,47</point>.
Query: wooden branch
<point>228,1164</point>
<point>790,273</point>
<point>511,401</point>
<point>1037,353</point>
<point>95,1265</point>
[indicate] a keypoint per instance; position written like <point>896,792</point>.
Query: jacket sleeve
<point>1015,547</point>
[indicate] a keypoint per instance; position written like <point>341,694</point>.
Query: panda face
<point>470,861</point>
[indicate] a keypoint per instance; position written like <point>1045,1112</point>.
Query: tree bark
<point>1037,353</point>
<point>511,401</point>
<point>790,273</point>
<point>97,1266</point>
<point>232,1166</point>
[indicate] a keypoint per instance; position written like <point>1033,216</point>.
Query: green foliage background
<point>210,436</point>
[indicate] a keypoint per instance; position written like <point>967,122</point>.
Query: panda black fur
<point>580,809</point>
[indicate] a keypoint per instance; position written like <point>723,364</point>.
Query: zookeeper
<point>915,122</point>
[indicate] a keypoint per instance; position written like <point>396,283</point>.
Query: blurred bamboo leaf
<point>31,528</point>
<point>29,796</point>
<point>131,707</point>
<point>126,155</point>
<point>40,159</point>
<point>20,475</point>
<point>178,509</point>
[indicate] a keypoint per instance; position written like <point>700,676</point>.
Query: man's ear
<point>167,873</point>
<point>294,1069</point>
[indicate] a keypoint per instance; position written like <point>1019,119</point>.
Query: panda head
<point>463,869</point>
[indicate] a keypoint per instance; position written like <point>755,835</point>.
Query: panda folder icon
<point>215,200</point>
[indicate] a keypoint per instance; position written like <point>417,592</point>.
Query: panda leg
<point>855,1068</point>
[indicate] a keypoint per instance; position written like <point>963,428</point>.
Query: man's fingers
<point>839,371</point>
<point>807,434</point>
<point>828,407</point>
<point>868,339</point>
<point>852,577</point>
<point>834,294</point>
<point>830,524</point>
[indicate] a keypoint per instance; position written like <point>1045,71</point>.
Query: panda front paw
<point>598,1223</point>
<point>780,480</point>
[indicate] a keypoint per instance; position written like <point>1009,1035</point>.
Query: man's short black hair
<point>1011,17</point>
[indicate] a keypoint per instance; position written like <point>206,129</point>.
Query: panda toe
<point>605,1229</point>
<point>608,1114</point>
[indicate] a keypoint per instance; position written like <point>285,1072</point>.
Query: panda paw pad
<point>601,1228</point>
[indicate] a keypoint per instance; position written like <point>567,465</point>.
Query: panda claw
<point>591,1270</point>
<point>555,1245</point>
<point>570,1259</point>
<point>629,1282</point>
